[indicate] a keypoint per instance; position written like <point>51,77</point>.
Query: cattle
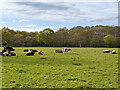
<point>26,50</point>
<point>106,51</point>
<point>31,52</point>
<point>59,51</point>
<point>9,48</point>
<point>109,51</point>
<point>12,54</point>
<point>65,50</point>
<point>113,52</point>
<point>4,53</point>
<point>40,53</point>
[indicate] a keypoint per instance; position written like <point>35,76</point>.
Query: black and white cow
<point>9,53</point>
<point>31,52</point>
<point>65,50</point>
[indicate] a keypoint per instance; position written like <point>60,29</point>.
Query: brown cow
<point>40,53</point>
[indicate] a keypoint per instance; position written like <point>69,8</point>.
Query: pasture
<point>80,68</point>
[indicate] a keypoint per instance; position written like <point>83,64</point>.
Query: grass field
<point>80,68</point>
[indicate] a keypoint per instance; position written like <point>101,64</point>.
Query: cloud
<point>33,29</point>
<point>57,13</point>
<point>102,19</point>
<point>32,25</point>
<point>43,6</point>
<point>23,20</point>
<point>61,0</point>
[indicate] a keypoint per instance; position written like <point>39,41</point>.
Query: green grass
<point>80,68</point>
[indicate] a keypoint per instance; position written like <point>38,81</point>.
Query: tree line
<point>89,36</point>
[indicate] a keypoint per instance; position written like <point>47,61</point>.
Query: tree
<point>110,41</point>
<point>97,41</point>
<point>61,37</point>
<point>45,37</point>
<point>18,40</point>
<point>6,38</point>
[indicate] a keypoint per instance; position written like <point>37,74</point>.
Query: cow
<point>106,51</point>
<point>31,52</point>
<point>12,54</point>
<point>59,51</point>
<point>26,50</point>
<point>9,48</point>
<point>113,52</point>
<point>65,50</point>
<point>40,53</point>
<point>4,53</point>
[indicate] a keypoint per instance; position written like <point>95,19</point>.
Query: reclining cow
<point>31,52</point>
<point>40,53</point>
<point>59,51</point>
<point>9,48</point>
<point>26,50</point>
<point>109,51</point>
<point>4,53</point>
<point>113,52</point>
<point>106,51</point>
<point>65,50</point>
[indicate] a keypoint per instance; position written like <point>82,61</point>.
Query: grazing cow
<point>65,50</point>
<point>31,52</point>
<point>106,51</point>
<point>59,51</point>
<point>26,50</point>
<point>40,53</point>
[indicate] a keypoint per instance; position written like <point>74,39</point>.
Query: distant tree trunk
<point>80,45</point>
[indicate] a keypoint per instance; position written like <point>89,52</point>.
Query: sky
<point>36,15</point>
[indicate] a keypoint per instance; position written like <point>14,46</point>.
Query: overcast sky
<point>54,14</point>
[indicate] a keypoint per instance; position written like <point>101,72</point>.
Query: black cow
<point>9,48</point>
<point>31,52</point>
<point>26,50</point>
<point>12,54</point>
<point>58,51</point>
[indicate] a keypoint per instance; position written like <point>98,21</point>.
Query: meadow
<point>80,68</point>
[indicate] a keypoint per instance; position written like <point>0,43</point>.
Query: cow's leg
<point>67,52</point>
<point>63,52</point>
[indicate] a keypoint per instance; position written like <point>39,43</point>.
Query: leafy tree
<point>97,41</point>
<point>18,40</point>
<point>110,40</point>
<point>6,38</point>
<point>45,37</point>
